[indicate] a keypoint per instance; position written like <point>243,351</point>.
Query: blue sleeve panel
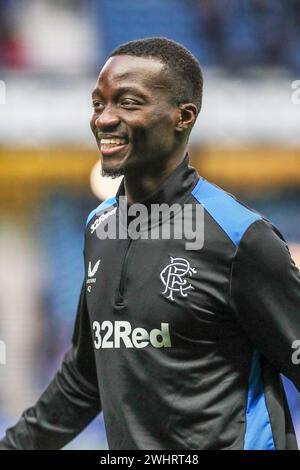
<point>233,217</point>
<point>104,205</point>
<point>258,434</point>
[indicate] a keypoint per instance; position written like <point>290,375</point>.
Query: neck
<point>139,187</point>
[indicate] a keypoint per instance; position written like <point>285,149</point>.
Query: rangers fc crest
<point>174,275</point>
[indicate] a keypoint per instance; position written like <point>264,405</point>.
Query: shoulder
<point>231,215</point>
<point>263,245</point>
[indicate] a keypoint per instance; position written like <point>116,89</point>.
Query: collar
<point>174,188</point>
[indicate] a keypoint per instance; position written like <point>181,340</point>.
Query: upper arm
<point>265,295</point>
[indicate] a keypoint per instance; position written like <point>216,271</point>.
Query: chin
<point>115,166</point>
<point>113,171</point>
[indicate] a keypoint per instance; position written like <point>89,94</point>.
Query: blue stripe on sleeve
<point>258,434</point>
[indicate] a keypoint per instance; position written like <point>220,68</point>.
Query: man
<point>181,348</point>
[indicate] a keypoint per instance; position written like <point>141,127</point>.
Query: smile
<point>112,146</point>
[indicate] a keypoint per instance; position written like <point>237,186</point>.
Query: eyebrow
<point>95,92</point>
<point>121,91</point>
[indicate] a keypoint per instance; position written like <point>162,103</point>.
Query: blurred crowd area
<point>229,33</point>
<point>246,140</point>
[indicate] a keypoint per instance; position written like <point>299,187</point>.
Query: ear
<point>187,116</point>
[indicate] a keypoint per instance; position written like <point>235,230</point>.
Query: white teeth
<point>113,141</point>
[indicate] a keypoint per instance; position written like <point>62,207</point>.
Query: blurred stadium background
<point>247,140</point>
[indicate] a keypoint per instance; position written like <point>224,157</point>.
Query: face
<point>134,119</point>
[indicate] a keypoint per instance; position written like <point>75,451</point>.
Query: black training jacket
<point>180,348</point>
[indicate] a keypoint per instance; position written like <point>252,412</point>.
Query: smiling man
<point>180,348</point>
<point>143,113</point>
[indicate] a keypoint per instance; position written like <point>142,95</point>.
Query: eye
<point>98,105</point>
<point>129,103</point>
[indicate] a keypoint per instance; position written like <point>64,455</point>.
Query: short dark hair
<point>184,67</point>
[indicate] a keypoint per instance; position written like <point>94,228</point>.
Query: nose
<point>107,119</point>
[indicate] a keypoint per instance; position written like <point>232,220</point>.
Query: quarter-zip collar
<point>174,188</point>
